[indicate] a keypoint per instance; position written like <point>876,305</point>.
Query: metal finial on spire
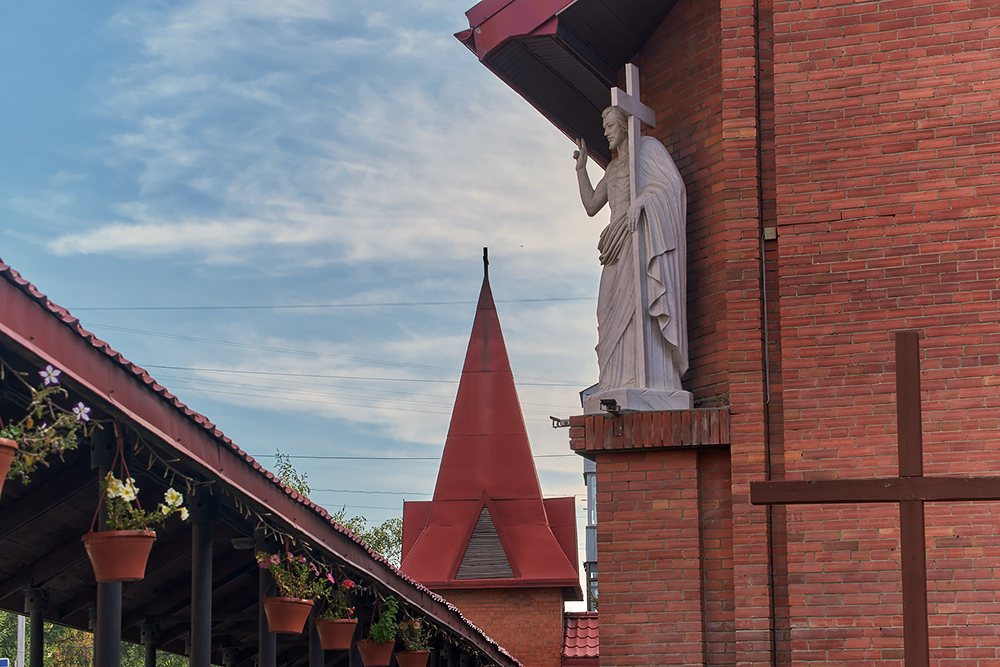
<point>486,262</point>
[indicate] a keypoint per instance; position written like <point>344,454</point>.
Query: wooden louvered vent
<point>484,557</point>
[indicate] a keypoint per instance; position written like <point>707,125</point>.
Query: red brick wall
<point>526,622</point>
<point>665,559</point>
<point>887,160</point>
<point>680,78</point>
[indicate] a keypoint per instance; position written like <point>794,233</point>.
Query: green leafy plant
<point>294,576</point>
<point>46,428</point>
<point>124,513</point>
<point>334,596</point>
<point>384,631</point>
<point>414,635</point>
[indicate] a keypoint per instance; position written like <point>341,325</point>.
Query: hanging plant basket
<point>7,449</point>
<point>412,658</point>
<point>119,555</point>
<point>287,614</point>
<point>375,655</point>
<point>336,634</point>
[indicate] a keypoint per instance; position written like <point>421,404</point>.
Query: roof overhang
<point>563,56</point>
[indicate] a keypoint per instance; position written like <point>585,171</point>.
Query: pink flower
<point>275,559</point>
<point>330,578</point>
<point>347,583</point>
<point>302,559</point>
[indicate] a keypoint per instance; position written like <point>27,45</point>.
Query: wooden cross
<point>911,490</point>
<point>637,113</point>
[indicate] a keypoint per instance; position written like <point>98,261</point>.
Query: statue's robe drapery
<point>664,244</point>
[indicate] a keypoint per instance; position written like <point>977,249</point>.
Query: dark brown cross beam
<point>911,490</point>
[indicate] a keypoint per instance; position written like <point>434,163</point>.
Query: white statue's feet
<point>636,399</point>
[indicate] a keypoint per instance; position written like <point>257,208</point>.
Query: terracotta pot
<point>375,655</point>
<point>287,614</point>
<point>7,449</point>
<point>119,555</point>
<point>412,658</point>
<point>336,634</point>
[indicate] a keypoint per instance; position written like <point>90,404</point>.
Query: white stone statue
<point>640,369</point>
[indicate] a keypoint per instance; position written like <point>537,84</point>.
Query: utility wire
<point>389,458</point>
<point>345,377</point>
<point>267,348</point>
<point>306,353</point>
<point>303,306</point>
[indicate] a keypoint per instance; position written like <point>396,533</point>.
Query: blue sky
<point>162,160</point>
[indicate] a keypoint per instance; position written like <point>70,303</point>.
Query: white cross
<point>637,113</point>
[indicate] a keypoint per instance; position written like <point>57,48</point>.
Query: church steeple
<point>488,525</point>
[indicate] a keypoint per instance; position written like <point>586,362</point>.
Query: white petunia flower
<point>184,514</point>
<point>173,498</point>
<point>130,490</point>
<point>115,488</point>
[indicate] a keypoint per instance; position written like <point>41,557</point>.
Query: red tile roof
<point>48,342</point>
<point>581,641</point>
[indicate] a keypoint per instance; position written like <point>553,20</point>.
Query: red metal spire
<point>450,541</point>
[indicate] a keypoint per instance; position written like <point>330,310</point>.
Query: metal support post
<point>34,607</point>
<point>267,646</point>
<point>316,654</point>
<point>150,634</point>
<point>108,629</point>
<point>204,510</point>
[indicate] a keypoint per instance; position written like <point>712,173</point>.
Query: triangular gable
<point>484,555</point>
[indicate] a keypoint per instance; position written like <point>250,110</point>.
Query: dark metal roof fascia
<point>598,35</point>
<point>548,91</point>
<point>47,333</point>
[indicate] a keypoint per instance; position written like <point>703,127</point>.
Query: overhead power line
<point>305,306</point>
<point>390,458</point>
<point>343,377</point>
<point>266,348</point>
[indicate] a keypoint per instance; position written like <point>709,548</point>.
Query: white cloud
<point>261,124</point>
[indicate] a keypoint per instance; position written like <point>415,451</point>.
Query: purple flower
<point>50,375</point>
<point>82,412</point>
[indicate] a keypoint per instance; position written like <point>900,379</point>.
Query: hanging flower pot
<point>336,634</point>
<point>412,658</point>
<point>119,555</point>
<point>287,614</point>
<point>375,655</point>
<point>7,449</point>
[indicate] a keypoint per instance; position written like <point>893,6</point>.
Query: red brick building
<point>841,161</point>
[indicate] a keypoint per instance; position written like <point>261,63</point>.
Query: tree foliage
<point>68,647</point>
<point>289,475</point>
<point>386,539</point>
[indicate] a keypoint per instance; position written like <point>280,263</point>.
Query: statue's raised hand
<point>580,155</point>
